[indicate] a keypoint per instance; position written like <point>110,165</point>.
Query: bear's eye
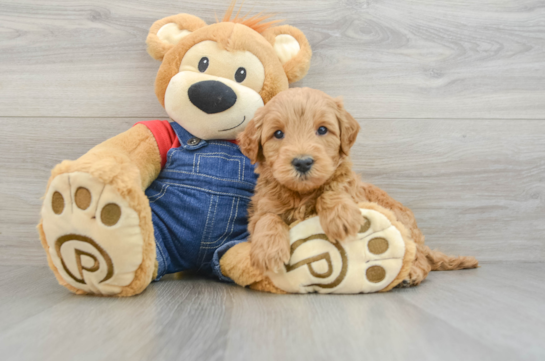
<point>203,64</point>
<point>322,131</point>
<point>240,75</point>
<point>279,134</point>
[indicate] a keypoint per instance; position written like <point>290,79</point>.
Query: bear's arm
<point>137,146</point>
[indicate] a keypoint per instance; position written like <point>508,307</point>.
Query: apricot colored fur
<point>331,189</point>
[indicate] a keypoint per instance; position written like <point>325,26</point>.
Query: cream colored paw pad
<point>367,263</point>
<point>93,235</point>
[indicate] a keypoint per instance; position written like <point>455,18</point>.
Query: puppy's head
<point>301,135</point>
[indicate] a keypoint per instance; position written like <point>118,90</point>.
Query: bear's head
<point>214,77</point>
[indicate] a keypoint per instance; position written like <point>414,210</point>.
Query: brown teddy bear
<point>166,197</point>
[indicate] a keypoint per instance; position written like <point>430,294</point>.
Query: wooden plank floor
<point>495,312</point>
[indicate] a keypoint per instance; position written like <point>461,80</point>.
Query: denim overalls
<point>199,204</point>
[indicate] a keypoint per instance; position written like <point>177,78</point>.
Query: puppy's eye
<point>279,134</point>
<point>240,75</point>
<point>321,131</point>
<point>203,64</point>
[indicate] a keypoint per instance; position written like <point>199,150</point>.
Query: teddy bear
<point>164,197</point>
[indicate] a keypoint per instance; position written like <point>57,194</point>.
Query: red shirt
<point>165,137</point>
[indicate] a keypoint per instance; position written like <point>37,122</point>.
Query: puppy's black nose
<point>211,96</point>
<point>302,165</point>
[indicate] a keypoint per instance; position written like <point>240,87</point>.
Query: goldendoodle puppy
<point>301,141</point>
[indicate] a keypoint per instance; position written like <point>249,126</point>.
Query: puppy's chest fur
<point>293,206</point>
<point>272,197</point>
<point>301,208</point>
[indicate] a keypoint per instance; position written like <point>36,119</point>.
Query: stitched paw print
<point>94,237</point>
<point>368,263</point>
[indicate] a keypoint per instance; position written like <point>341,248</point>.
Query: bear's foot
<point>376,260</point>
<point>94,238</point>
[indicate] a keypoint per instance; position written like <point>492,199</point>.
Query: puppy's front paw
<point>269,251</point>
<point>341,222</point>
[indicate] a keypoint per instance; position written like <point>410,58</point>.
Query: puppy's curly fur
<point>291,127</point>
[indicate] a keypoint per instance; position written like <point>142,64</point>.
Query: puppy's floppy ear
<point>167,32</point>
<point>249,140</point>
<point>348,125</point>
<point>292,48</point>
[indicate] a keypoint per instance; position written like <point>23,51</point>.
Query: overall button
<point>193,141</point>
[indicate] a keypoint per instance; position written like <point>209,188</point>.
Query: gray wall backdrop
<point>450,96</point>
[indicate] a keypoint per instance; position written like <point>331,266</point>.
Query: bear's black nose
<point>211,96</point>
<point>302,165</point>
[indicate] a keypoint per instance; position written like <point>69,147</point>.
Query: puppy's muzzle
<point>302,165</point>
<point>211,96</point>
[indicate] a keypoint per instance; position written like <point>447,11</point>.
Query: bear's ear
<point>292,48</point>
<point>165,33</point>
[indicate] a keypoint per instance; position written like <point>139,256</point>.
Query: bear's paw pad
<point>93,235</point>
<point>368,263</point>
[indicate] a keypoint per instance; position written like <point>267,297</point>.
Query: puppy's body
<point>301,140</point>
